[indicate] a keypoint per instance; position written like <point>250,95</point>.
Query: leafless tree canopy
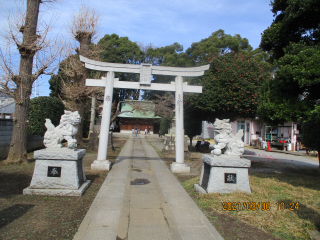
<point>164,105</point>
<point>144,48</point>
<point>84,24</point>
<point>17,43</point>
<point>83,28</point>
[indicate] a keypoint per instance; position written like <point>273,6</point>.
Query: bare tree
<point>83,28</point>
<point>164,105</point>
<point>17,76</point>
<point>144,48</point>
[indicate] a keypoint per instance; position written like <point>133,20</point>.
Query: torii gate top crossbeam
<point>132,68</point>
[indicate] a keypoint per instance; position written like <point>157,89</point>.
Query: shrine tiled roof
<point>137,109</point>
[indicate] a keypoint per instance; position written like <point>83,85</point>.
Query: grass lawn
<point>268,214</point>
<point>45,217</point>
<point>300,192</point>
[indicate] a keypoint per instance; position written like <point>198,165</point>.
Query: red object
<point>269,149</point>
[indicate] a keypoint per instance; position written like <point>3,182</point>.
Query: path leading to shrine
<point>141,199</point>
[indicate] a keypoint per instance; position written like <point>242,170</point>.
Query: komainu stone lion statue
<point>67,129</point>
<point>233,144</point>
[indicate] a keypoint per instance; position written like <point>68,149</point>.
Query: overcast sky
<point>163,22</point>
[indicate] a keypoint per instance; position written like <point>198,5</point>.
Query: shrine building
<point>140,114</point>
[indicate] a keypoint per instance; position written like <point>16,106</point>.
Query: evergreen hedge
<point>164,125</point>
<point>41,108</point>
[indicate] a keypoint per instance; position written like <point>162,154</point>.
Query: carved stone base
<point>58,192</point>
<point>179,168</point>
<point>199,189</point>
<point>58,172</point>
<point>101,165</point>
<point>170,144</point>
<point>224,174</point>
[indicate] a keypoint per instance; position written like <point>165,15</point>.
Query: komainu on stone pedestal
<point>233,144</point>
<point>225,173</point>
<point>59,171</point>
<point>67,129</point>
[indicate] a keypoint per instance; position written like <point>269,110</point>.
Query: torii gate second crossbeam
<point>145,71</point>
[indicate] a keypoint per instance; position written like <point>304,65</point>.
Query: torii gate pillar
<point>179,166</point>
<point>145,71</point>
<point>102,163</point>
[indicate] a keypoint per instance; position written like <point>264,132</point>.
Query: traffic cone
<point>269,149</point>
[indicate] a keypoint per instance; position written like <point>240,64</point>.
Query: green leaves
<point>311,130</point>
<point>41,108</point>
<point>218,43</point>
<point>293,93</point>
<point>301,64</point>
<point>293,42</point>
<point>120,50</point>
<point>295,21</point>
<point>230,87</point>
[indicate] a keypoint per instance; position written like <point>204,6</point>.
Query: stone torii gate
<point>145,71</point>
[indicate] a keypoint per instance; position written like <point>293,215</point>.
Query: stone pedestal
<point>170,144</point>
<point>223,174</point>
<point>179,167</point>
<point>58,171</point>
<point>101,165</point>
<point>170,141</point>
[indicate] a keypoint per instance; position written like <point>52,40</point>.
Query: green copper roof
<point>137,109</point>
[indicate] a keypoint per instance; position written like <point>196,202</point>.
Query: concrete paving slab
<point>105,217</point>
<point>187,217</point>
<point>112,202</point>
<point>140,175</point>
<point>150,233</point>
<point>117,181</point>
<point>193,233</point>
<point>111,190</point>
<point>144,201</point>
<point>105,234</point>
<point>151,217</point>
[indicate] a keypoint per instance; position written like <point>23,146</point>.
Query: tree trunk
<point>18,146</point>
<point>84,40</point>
<point>81,109</point>
<point>93,113</point>
<point>319,160</point>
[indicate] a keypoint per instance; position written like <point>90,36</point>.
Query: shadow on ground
<point>13,183</point>
<point>14,212</point>
<point>302,212</point>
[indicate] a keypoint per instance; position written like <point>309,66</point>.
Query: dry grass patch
<point>271,189</point>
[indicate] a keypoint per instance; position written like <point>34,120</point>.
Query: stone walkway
<point>141,199</point>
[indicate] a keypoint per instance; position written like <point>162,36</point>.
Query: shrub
<point>41,108</point>
<point>311,131</point>
<point>164,125</point>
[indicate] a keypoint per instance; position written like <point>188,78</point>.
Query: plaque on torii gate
<point>145,71</point>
